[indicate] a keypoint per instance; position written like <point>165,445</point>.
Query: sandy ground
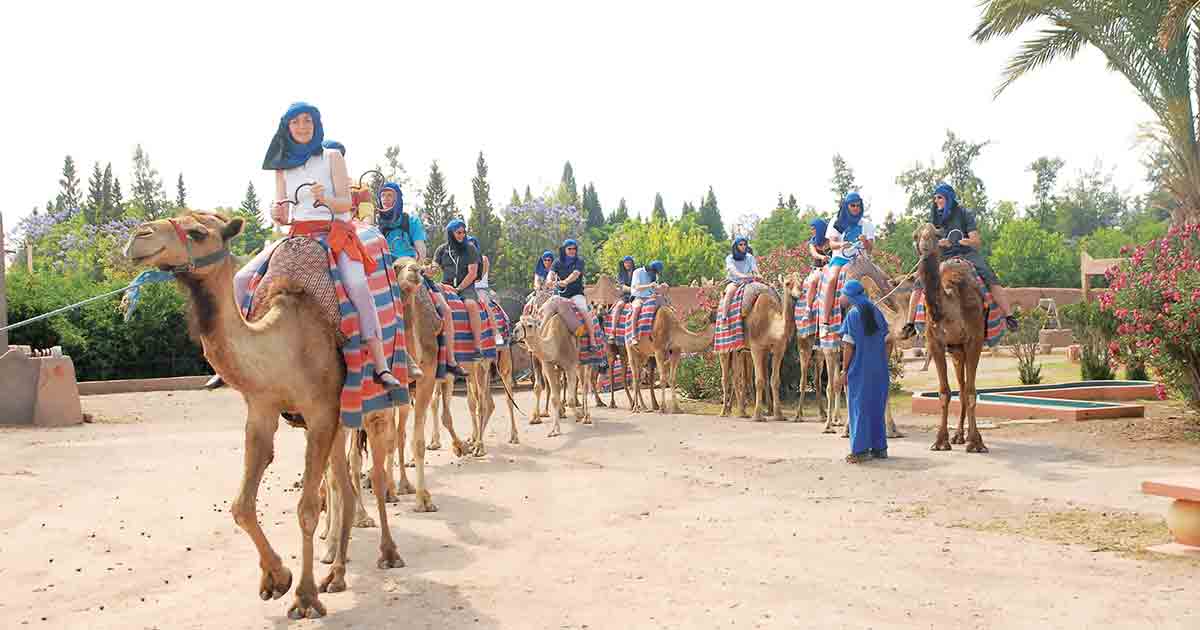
<point>638,522</point>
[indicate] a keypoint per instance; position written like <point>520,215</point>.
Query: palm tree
<point>1147,41</point>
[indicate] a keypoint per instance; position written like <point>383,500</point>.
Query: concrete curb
<point>130,386</point>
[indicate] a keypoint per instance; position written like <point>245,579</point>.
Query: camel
<point>556,351</point>
<point>288,359</point>
<point>769,323</point>
<point>612,352</point>
<point>541,384</point>
<point>481,407</point>
<point>669,338</point>
<point>806,347</point>
<point>955,323</point>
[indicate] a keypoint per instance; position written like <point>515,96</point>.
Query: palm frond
<point>1004,17</point>
<point>1175,22</point>
<point>1052,44</point>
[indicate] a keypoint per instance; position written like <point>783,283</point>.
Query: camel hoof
<point>274,587</point>
<point>389,559</point>
<point>846,433</point>
<point>535,421</point>
<point>601,405</point>
<point>306,607</point>
<point>433,446</point>
<point>365,522</point>
<point>976,447</point>
<point>405,488</point>
<point>895,435</point>
<point>424,503</point>
<point>587,421</point>
<point>459,449</point>
<point>335,582</point>
<point>958,439</point>
<point>759,419</point>
<point>391,497</point>
<point>941,445</point>
<point>514,439</point>
<point>724,413</point>
<point>479,450</point>
<point>828,429</point>
<point>329,554</point>
<point>554,433</point>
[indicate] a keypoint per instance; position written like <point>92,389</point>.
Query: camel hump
<point>298,267</point>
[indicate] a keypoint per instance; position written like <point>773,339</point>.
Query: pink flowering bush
<point>1155,300</point>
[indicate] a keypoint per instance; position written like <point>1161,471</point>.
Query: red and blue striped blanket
<point>462,340</point>
<point>360,393</point>
<point>806,308</point>
<point>731,329</point>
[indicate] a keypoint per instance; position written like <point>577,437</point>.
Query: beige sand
<point>644,522</point>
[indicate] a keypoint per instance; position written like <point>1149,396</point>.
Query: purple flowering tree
<point>530,229</point>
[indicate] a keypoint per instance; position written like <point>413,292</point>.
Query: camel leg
<point>776,381</point>
<point>726,383</point>
<point>805,363</point>
<point>504,368</point>
<point>320,438</point>
<point>435,441</point>
<point>959,369</point>
<point>381,447</point>
<point>335,581</point>
<point>403,486</point>
<point>664,375</point>
<point>261,422</point>
<point>425,391</point>
<point>745,366</point>
<point>586,383</point>
<point>594,384</point>
<point>556,396</point>
<point>674,375</point>
<point>759,359</point>
<point>655,374</point>
<point>539,384</point>
<point>361,518</point>
<point>484,405</point>
<point>573,386</point>
<point>892,431</point>
<point>474,407</point>
<point>942,443</point>
<point>833,369</point>
<point>967,398</point>
<point>446,394</point>
<point>636,366</point>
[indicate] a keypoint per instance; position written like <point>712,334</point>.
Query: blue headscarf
<point>623,276</point>
<point>451,227</point>
<point>820,226</point>
<point>562,252</point>
<point>390,217</point>
<point>334,144</point>
<point>284,152</point>
<point>947,191</point>
<point>475,242</point>
<point>655,268</point>
<point>737,255</point>
<point>845,219</point>
<point>854,291</point>
<point>539,268</point>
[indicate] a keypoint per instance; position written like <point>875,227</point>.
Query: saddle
<point>305,263</point>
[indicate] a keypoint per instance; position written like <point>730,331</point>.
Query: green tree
<point>688,210</point>
<point>438,208</point>
<point>1091,202</point>
<point>69,196</point>
<point>250,201</point>
<point>254,232</point>
<point>1045,170</point>
<point>1149,42</point>
<point>843,182</point>
<point>956,169</point>
<point>149,199</point>
<point>93,209</point>
<point>591,206</point>
<point>784,228</point>
<point>117,207</point>
<point>180,193</point>
<point>660,212</point>
<point>106,211</point>
<point>620,215</point>
<point>528,196</point>
<point>895,237</point>
<point>568,192</point>
<point>710,216</point>
<point>516,199</point>
<point>687,250</point>
<point>392,170</point>
<point>485,224</point>
<point>1025,255</point>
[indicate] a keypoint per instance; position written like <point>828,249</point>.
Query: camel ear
<point>232,229</point>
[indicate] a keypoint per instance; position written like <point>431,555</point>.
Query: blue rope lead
<point>134,290</point>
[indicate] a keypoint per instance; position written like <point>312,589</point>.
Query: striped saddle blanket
<point>731,329</point>
<point>462,341</point>
<point>807,307</point>
<point>311,264</point>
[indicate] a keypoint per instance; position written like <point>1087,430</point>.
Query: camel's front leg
<point>805,362</point>
<point>339,470</point>
<point>585,378</point>
<point>425,391</point>
<point>381,447</point>
<point>654,373</point>
<point>673,365</point>
<point>357,443</point>
<point>726,362</point>
<point>758,357</point>
<point>959,373</point>
<point>833,369</point>
<point>261,422</point>
<point>942,443</point>
<point>539,384</point>
<point>636,367</point>
<point>320,437</point>
<point>777,381</point>
<point>435,441</point>
<point>504,368</point>
<point>403,486</point>
<point>967,398</point>
<point>556,396</point>
<point>743,373</point>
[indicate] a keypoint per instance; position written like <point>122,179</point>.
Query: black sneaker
<point>216,382</point>
<point>909,330</point>
<point>1012,323</point>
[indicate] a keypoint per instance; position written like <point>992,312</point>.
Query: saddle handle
<point>294,201</point>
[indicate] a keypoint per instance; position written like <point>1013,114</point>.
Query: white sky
<point>752,98</point>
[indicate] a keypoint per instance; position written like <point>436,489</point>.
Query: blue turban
<point>562,251</point>
<point>391,218</point>
<point>539,268</point>
<point>334,144</point>
<point>820,226</point>
<point>623,276</point>
<point>475,242</point>
<point>451,227</point>
<point>734,250</point>
<point>656,267</point>
<point>284,152</point>
<point>846,219</point>
<point>947,191</point>
<point>854,291</point>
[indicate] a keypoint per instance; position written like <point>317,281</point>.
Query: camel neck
<point>214,317</point>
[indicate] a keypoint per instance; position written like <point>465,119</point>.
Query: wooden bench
<point>1183,517</point>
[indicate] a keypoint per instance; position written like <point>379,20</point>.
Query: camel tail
<point>360,440</point>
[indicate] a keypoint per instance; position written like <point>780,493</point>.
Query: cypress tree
<point>484,223</point>
<point>659,213</point>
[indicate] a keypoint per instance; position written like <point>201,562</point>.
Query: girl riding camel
<point>297,156</point>
<point>625,278</point>
<point>543,271</point>
<point>459,261</point>
<point>818,245</point>
<point>740,268</point>
<point>644,284</point>
<point>850,235</point>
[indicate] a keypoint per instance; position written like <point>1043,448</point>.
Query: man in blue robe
<point>865,370</point>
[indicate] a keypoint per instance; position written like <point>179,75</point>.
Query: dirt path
<point>645,522</point>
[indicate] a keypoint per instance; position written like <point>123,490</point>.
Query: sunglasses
<point>856,205</point>
<point>939,197</point>
<point>457,232</point>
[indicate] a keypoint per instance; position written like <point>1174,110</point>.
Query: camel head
<point>408,274</point>
<point>925,239</point>
<point>191,242</point>
<point>793,284</point>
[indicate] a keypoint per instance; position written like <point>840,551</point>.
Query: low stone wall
<point>1027,297</point>
<point>95,388</point>
<point>38,391</point>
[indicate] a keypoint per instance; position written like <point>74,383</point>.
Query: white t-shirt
<point>864,228</point>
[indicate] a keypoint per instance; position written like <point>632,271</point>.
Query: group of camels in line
<point>289,359</point>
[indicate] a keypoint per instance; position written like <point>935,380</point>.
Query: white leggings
<point>354,279</point>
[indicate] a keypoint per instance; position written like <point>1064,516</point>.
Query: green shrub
<point>700,376</point>
<point>1026,343</point>
<point>1094,327</point>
